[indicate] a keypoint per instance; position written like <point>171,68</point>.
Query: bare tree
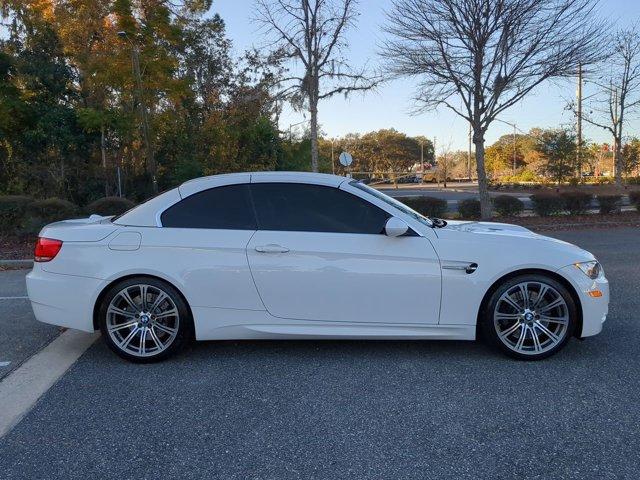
<point>444,163</point>
<point>618,93</point>
<point>312,34</point>
<point>481,57</point>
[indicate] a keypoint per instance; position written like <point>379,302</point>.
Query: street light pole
<point>145,125</point>
<point>514,140</point>
<point>333,163</point>
<point>291,125</point>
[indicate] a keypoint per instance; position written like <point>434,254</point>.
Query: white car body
<point>325,285</point>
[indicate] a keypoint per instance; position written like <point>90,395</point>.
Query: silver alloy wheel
<point>142,320</point>
<point>531,318</point>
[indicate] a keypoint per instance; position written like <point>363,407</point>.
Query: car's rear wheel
<point>144,319</point>
<point>530,317</point>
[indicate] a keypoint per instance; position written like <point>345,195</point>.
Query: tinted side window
<point>314,208</point>
<point>226,207</point>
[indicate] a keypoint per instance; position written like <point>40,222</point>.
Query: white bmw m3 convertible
<point>308,256</point>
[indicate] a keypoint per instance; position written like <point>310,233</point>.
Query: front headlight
<point>591,269</point>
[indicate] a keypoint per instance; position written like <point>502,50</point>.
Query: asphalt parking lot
<point>325,410</point>
<point>21,334</point>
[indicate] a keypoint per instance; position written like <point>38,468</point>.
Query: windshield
<point>393,202</point>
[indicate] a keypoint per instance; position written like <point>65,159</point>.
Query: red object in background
<point>46,249</point>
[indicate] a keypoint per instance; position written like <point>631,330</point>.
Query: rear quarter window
<point>227,208</point>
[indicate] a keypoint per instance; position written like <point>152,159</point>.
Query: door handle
<point>271,248</point>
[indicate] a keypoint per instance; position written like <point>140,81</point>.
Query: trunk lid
<point>92,229</point>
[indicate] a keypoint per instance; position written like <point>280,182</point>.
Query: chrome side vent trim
<point>466,267</point>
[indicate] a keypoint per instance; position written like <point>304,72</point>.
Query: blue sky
<point>390,105</point>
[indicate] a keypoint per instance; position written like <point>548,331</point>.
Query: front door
<point>320,254</point>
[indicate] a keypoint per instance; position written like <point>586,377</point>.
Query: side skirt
<point>248,324</point>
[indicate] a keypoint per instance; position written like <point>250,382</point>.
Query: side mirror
<point>395,227</point>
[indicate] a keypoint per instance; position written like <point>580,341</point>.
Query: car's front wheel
<point>144,319</point>
<point>530,317</point>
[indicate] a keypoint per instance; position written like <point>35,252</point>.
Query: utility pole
<point>615,136</point>
<point>422,161</point>
<point>579,122</point>
<point>469,152</point>
<point>146,128</point>
<point>435,160</point>
<point>514,149</point>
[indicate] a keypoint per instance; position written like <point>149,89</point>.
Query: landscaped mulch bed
<point>16,248</point>
<point>592,189</point>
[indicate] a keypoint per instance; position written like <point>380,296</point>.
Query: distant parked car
<point>298,255</point>
<point>409,179</point>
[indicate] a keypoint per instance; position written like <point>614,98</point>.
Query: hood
<point>472,226</point>
<point>500,240</point>
<point>496,228</point>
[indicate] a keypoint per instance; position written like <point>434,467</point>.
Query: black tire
<point>184,330</point>
<point>489,329</point>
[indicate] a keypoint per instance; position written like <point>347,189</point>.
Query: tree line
<point>556,155</point>
<point>71,98</point>
<point>103,97</point>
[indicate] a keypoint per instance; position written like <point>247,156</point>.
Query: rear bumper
<point>63,300</point>
<point>594,309</point>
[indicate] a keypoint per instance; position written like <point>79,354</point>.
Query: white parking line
<point>13,298</point>
<point>5,364</point>
<point>21,389</point>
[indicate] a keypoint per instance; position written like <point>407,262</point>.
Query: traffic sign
<point>345,159</point>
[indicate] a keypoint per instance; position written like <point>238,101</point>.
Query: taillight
<point>46,249</point>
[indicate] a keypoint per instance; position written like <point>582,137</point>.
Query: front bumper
<point>63,300</point>
<point>594,309</point>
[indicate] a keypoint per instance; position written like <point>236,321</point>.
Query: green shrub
<point>526,176</point>
<point>602,180</point>
<point>429,206</point>
<point>469,208</point>
<point>507,205</point>
<point>574,181</point>
<point>576,202</point>
<point>634,199</point>
<point>609,203</point>
<point>108,206</point>
<point>41,212</point>
<point>12,211</point>
<point>545,204</point>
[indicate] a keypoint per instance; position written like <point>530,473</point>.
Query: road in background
<point>460,191</point>
<point>452,194</point>
<point>351,409</point>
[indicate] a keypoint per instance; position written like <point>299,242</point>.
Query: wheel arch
<point>103,292</point>
<point>539,271</point>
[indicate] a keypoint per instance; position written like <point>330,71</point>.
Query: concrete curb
<point>25,263</point>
